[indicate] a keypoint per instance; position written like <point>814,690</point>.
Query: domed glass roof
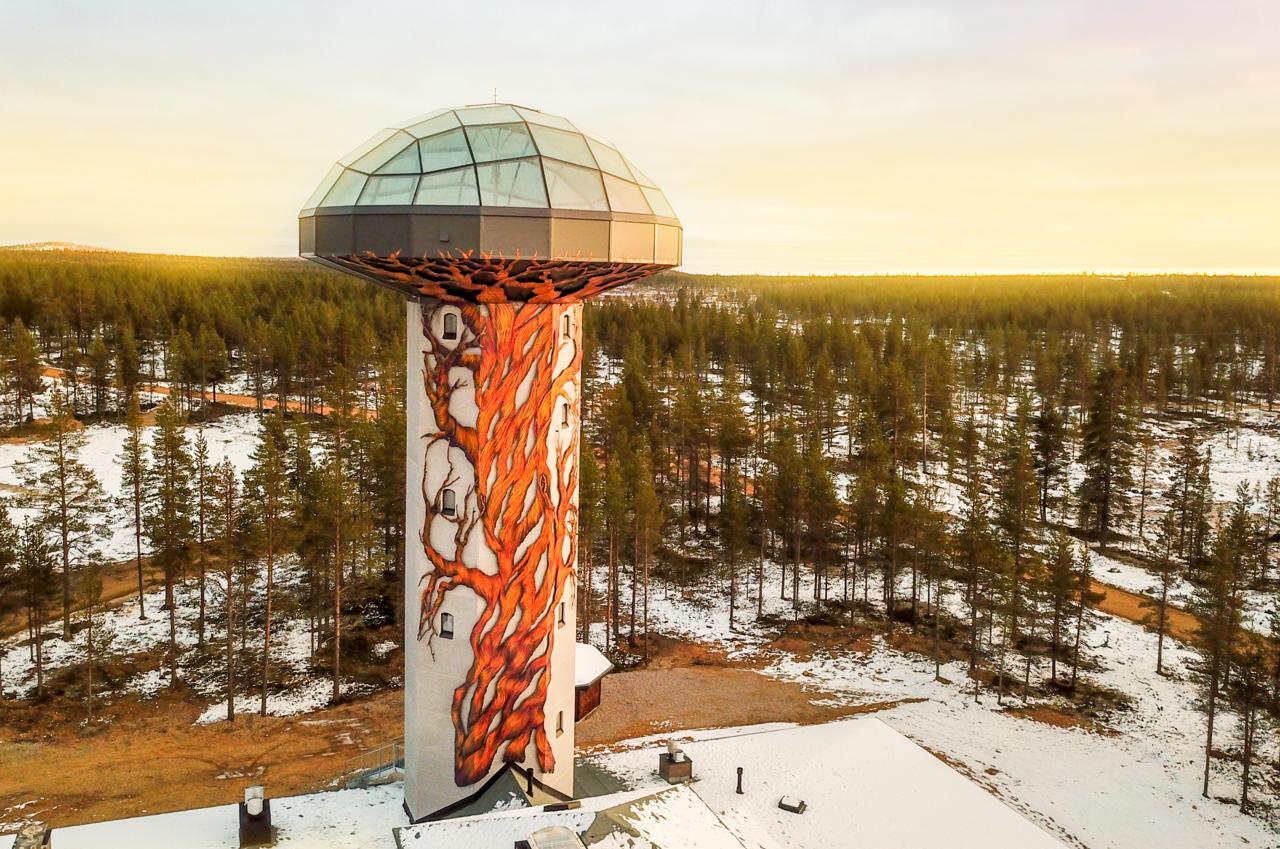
<point>493,155</point>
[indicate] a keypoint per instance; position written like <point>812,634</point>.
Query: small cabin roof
<point>589,664</point>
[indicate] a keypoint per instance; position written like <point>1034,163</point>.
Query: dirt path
<point>119,586</point>
<point>158,761</point>
<point>1138,608</point>
<point>651,701</point>
<point>222,397</point>
<point>228,398</point>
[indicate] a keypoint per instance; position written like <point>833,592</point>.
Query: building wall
<point>486,417</point>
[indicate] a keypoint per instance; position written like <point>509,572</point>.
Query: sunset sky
<point>790,137</point>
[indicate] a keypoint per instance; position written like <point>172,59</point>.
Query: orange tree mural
<point>523,503</point>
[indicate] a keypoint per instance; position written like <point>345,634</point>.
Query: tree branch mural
<point>484,278</point>
<point>523,502</point>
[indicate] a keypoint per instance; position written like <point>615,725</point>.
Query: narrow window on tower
<point>448,503</point>
<point>450,326</point>
<point>562,613</point>
<point>559,723</point>
<point>564,414</point>
<point>566,327</point>
<point>446,626</point>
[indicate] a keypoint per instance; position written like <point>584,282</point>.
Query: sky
<point>799,137</point>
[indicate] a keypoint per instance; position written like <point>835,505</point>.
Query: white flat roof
<point>866,787</point>
<point>589,664</point>
<point>668,818</point>
<point>341,819</point>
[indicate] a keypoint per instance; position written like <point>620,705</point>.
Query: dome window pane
<point>449,188</point>
<point>500,141</point>
<point>446,150</point>
<point>571,187</point>
<point>329,179</point>
<point>640,176</point>
<point>431,123</point>
<point>610,160</point>
<point>658,201</point>
<point>404,162</point>
<point>624,196</point>
<point>495,114</point>
<point>514,183</point>
<point>345,190</point>
<point>533,116</point>
<point>383,153</point>
<point>389,191</point>
<point>369,145</point>
<point>571,147</point>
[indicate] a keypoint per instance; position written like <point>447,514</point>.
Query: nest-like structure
<point>487,279</point>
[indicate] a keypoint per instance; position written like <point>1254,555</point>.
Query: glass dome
<point>491,155</point>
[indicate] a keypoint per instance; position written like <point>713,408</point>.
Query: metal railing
<point>378,765</point>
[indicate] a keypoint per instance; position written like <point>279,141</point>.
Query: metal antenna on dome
<point>495,94</point>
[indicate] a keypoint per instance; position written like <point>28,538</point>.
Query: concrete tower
<point>496,221</point>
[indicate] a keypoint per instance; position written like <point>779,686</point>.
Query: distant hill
<point>55,246</point>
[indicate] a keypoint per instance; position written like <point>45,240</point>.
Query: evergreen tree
<point>99,362</point>
<point>24,369</point>
<point>1167,568</point>
<point>590,508</point>
<point>1217,602</point>
<point>134,471</point>
<point>973,543</point>
<point>168,518</point>
<point>202,493</point>
<point>1060,586</point>
<point>733,536</point>
<point>647,530</point>
<point>98,636</point>
<point>1106,456</point>
<point>1015,516</point>
<point>128,365</point>
<point>66,495</point>
<point>1184,497</point>
<point>37,569</point>
<point>226,520</point>
<point>1050,433</point>
<point>615,513</point>
<point>270,503</point>
<point>9,571</point>
<point>339,502</point>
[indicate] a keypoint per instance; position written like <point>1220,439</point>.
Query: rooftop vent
<point>792,804</point>
<point>554,837</point>
<point>674,765</point>
<point>255,817</point>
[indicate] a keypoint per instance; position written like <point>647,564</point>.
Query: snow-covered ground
<point>1136,783</point>
<point>299,688</point>
<point>231,437</point>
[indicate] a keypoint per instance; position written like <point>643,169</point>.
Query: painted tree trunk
<point>493,418</point>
